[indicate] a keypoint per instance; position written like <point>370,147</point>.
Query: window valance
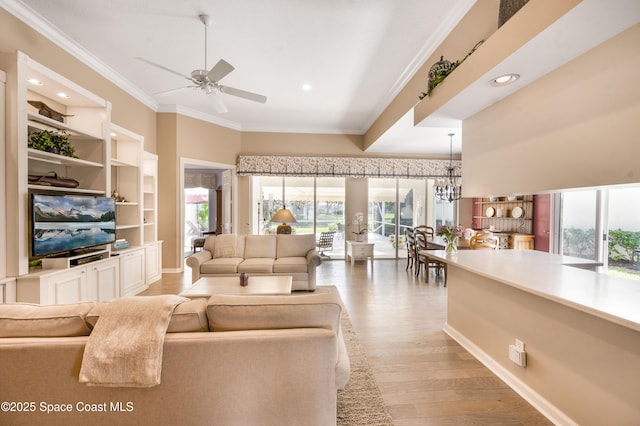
<point>264,165</point>
<point>199,180</point>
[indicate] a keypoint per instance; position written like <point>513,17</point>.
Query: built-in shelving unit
<point>126,182</point>
<point>150,196</point>
<point>107,157</point>
<point>509,218</point>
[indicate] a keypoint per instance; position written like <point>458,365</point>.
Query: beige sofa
<point>230,255</point>
<point>270,360</point>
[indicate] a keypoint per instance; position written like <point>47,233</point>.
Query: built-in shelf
<point>37,120</point>
<point>49,157</point>
<point>122,163</point>
<point>122,203</point>
<point>121,227</point>
<point>63,189</point>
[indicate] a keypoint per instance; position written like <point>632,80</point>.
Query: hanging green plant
<point>441,69</point>
<point>54,142</point>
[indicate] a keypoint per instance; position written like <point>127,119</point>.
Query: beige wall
<point>570,353</point>
<point>576,127</point>
<point>260,143</point>
<point>179,137</point>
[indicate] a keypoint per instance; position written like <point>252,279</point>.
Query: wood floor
<point>426,378</point>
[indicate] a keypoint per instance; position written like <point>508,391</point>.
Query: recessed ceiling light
<point>63,95</point>
<point>306,87</point>
<point>503,80</point>
<point>35,81</point>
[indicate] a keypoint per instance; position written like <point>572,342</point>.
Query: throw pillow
<point>31,320</point>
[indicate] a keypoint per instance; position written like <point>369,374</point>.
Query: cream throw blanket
<point>125,347</point>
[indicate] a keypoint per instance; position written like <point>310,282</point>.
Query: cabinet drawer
<point>362,251</point>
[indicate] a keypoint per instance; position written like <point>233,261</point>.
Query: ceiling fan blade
<point>179,89</point>
<point>243,94</point>
<point>163,68</point>
<point>220,70</point>
<point>218,103</point>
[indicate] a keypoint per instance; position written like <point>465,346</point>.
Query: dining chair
<point>411,248</point>
<point>421,241</point>
<point>484,241</point>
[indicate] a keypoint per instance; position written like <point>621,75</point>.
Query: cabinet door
<point>153,262</point>
<point>105,280</point>
<point>8,290</point>
<point>67,287</point>
<point>132,272</point>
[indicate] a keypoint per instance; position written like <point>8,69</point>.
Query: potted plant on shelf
<point>361,233</point>
<point>54,142</point>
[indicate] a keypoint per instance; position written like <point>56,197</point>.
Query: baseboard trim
<point>541,404</point>
<point>172,270</point>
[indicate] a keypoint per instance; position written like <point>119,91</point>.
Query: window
<point>603,225</point>
<point>579,224</point>
<point>316,203</point>
<point>623,231</point>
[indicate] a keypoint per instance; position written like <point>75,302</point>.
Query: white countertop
<point>549,276</point>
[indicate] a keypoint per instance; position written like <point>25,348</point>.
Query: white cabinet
<point>132,275</point>
<point>7,290</point>
<point>153,261</point>
<point>104,280</point>
<point>52,287</point>
<point>359,251</point>
<point>93,282</point>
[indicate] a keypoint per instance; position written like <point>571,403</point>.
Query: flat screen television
<point>70,223</point>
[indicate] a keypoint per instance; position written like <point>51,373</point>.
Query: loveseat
<point>231,254</point>
<point>228,360</point>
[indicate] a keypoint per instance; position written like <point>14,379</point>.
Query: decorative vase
<point>451,247</point>
<point>360,238</point>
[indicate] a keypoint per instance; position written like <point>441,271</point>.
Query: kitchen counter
<point>580,328</point>
<point>563,279</point>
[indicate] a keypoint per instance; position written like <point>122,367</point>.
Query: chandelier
<point>448,188</point>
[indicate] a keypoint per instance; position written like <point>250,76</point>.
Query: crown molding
<point>460,9</point>
<point>188,112</point>
<point>40,24</point>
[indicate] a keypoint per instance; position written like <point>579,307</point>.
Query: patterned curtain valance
<point>263,165</point>
<point>199,180</point>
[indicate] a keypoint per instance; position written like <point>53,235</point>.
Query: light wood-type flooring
<point>426,378</point>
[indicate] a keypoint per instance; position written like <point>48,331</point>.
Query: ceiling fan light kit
<point>208,80</point>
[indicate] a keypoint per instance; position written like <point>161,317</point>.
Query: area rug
<point>360,402</point>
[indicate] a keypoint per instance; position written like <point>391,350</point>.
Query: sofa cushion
<point>230,313</point>
<point>290,264</point>
<point>30,320</point>
<point>256,265</point>
<point>295,245</point>
<point>260,246</point>
<point>222,265</point>
<point>225,246</point>
<point>187,317</point>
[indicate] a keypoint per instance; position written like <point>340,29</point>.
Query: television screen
<point>63,223</point>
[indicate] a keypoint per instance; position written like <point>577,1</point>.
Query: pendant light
<point>448,188</point>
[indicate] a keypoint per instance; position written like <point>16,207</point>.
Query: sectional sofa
<point>228,360</point>
<point>231,254</point>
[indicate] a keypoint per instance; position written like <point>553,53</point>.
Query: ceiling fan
<point>208,81</point>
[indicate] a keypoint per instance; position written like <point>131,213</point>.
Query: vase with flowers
<point>361,233</point>
<point>450,235</point>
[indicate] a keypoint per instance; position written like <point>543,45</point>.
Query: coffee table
<point>259,285</point>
